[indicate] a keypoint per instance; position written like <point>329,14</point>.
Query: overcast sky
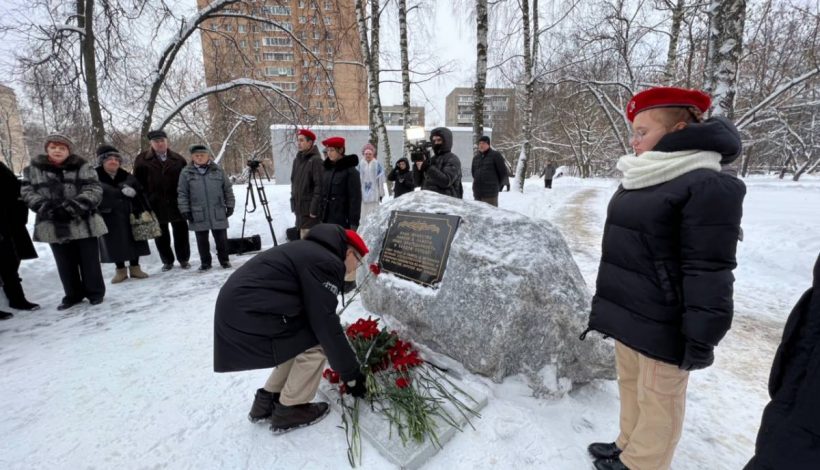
<point>448,35</point>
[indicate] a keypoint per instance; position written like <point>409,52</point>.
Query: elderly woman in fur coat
<point>64,191</point>
<point>122,196</point>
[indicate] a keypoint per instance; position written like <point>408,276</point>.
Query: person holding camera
<point>206,201</point>
<point>279,310</point>
<point>440,172</point>
<point>402,178</point>
<point>489,172</point>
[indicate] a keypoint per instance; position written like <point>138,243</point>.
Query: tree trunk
<point>674,36</point>
<point>481,69</point>
<point>727,19</point>
<point>405,74</point>
<point>530,55</point>
<point>85,21</point>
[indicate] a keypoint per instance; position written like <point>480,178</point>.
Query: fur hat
<point>106,151</point>
<point>484,138</point>
<point>198,148</point>
<point>667,97</point>
<point>157,134</point>
<point>338,142</point>
<point>369,146</point>
<point>308,135</point>
<point>58,139</point>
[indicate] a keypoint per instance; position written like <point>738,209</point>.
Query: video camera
<point>418,147</point>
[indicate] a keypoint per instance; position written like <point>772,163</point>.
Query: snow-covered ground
<point>129,383</point>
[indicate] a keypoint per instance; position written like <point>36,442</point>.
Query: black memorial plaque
<point>416,245</point>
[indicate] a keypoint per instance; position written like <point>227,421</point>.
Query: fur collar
<point>104,177</point>
<point>73,162</point>
<point>348,161</point>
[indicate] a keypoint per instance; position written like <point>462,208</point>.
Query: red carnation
<point>402,382</point>
<point>375,269</point>
<point>331,376</point>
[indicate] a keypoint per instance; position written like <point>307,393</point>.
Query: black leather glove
<point>187,216</point>
<point>61,214</point>
<point>697,356</point>
<point>229,211</point>
<point>356,387</point>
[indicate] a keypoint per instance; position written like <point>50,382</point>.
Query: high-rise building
<point>309,49</point>
<point>13,151</point>
<point>394,115</point>
<point>499,108</point>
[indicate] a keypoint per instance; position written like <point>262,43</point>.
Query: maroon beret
<point>338,142</point>
<point>308,135</point>
<point>667,97</point>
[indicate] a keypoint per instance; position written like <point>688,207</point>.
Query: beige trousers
<point>298,379</point>
<point>653,402</point>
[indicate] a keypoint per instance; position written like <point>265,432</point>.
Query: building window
<point>328,35</point>
<point>331,104</point>
<point>254,29</point>
<point>242,28</point>
<point>243,43</point>
<point>302,20</point>
<point>328,5</point>
<point>317,35</point>
<point>276,10</point>
<point>228,28</point>
<point>256,44</point>
<point>277,41</point>
<point>328,21</point>
<point>279,71</point>
<point>280,56</point>
<point>301,3</point>
<point>214,27</point>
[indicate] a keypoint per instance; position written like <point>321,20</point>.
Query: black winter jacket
<point>15,242</point>
<point>404,179</point>
<point>791,421</point>
<point>442,173</point>
<point>160,180</point>
<point>342,192</point>
<point>283,302</point>
<point>489,174</point>
<point>306,188</point>
<point>665,281</point>
<point>118,245</point>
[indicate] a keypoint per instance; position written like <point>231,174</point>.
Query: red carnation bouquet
<point>409,392</point>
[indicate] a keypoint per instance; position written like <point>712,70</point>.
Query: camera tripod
<point>255,182</point>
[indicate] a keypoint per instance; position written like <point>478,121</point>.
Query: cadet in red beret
<point>306,182</point>
<point>341,191</point>
<point>664,287</point>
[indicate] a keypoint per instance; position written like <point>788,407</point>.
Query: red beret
<point>338,142</point>
<point>667,97</point>
<point>354,240</point>
<point>308,135</point>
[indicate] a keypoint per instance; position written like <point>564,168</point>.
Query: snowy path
<point>129,384</point>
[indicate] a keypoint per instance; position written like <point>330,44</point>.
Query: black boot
<point>68,303</point>
<point>5,315</point>
<point>610,464</point>
<point>24,305</point>
<point>601,450</point>
<point>263,404</point>
<point>288,418</point>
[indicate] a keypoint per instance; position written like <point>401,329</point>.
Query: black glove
<point>187,216</point>
<point>356,387</point>
<point>61,214</point>
<point>697,356</point>
<point>46,209</point>
<point>229,211</point>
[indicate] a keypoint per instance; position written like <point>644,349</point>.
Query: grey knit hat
<point>58,139</point>
<point>198,148</point>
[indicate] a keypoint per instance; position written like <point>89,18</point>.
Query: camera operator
<point>442,171</point>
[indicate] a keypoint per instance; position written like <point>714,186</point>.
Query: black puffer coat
<point>118,245</point>
<point>283,302</point>
<point>15,242</point>
<point>160,180</point>
<point>342,192</point>
<point>665,280</point>
<point>789,430</point>
<point>442,173</point>
<point>489,173</point>
<point>306,188</point>
<point>403,178</point>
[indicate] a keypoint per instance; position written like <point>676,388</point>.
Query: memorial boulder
<point>509,297</point>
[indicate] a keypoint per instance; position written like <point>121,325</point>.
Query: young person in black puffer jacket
<point>403,178</point>
<point>664,288</point>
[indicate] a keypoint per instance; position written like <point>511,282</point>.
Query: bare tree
<point>482,28</point>
<point>728,18</point>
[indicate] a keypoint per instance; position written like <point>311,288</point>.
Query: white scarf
<point>653,168</point>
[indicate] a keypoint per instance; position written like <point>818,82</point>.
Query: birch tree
<point>482,27</point>
<point>727,19</point>
<point>530,43</point>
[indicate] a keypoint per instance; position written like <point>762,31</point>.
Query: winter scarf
<point>653,168</point>
<point>373,180</point>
